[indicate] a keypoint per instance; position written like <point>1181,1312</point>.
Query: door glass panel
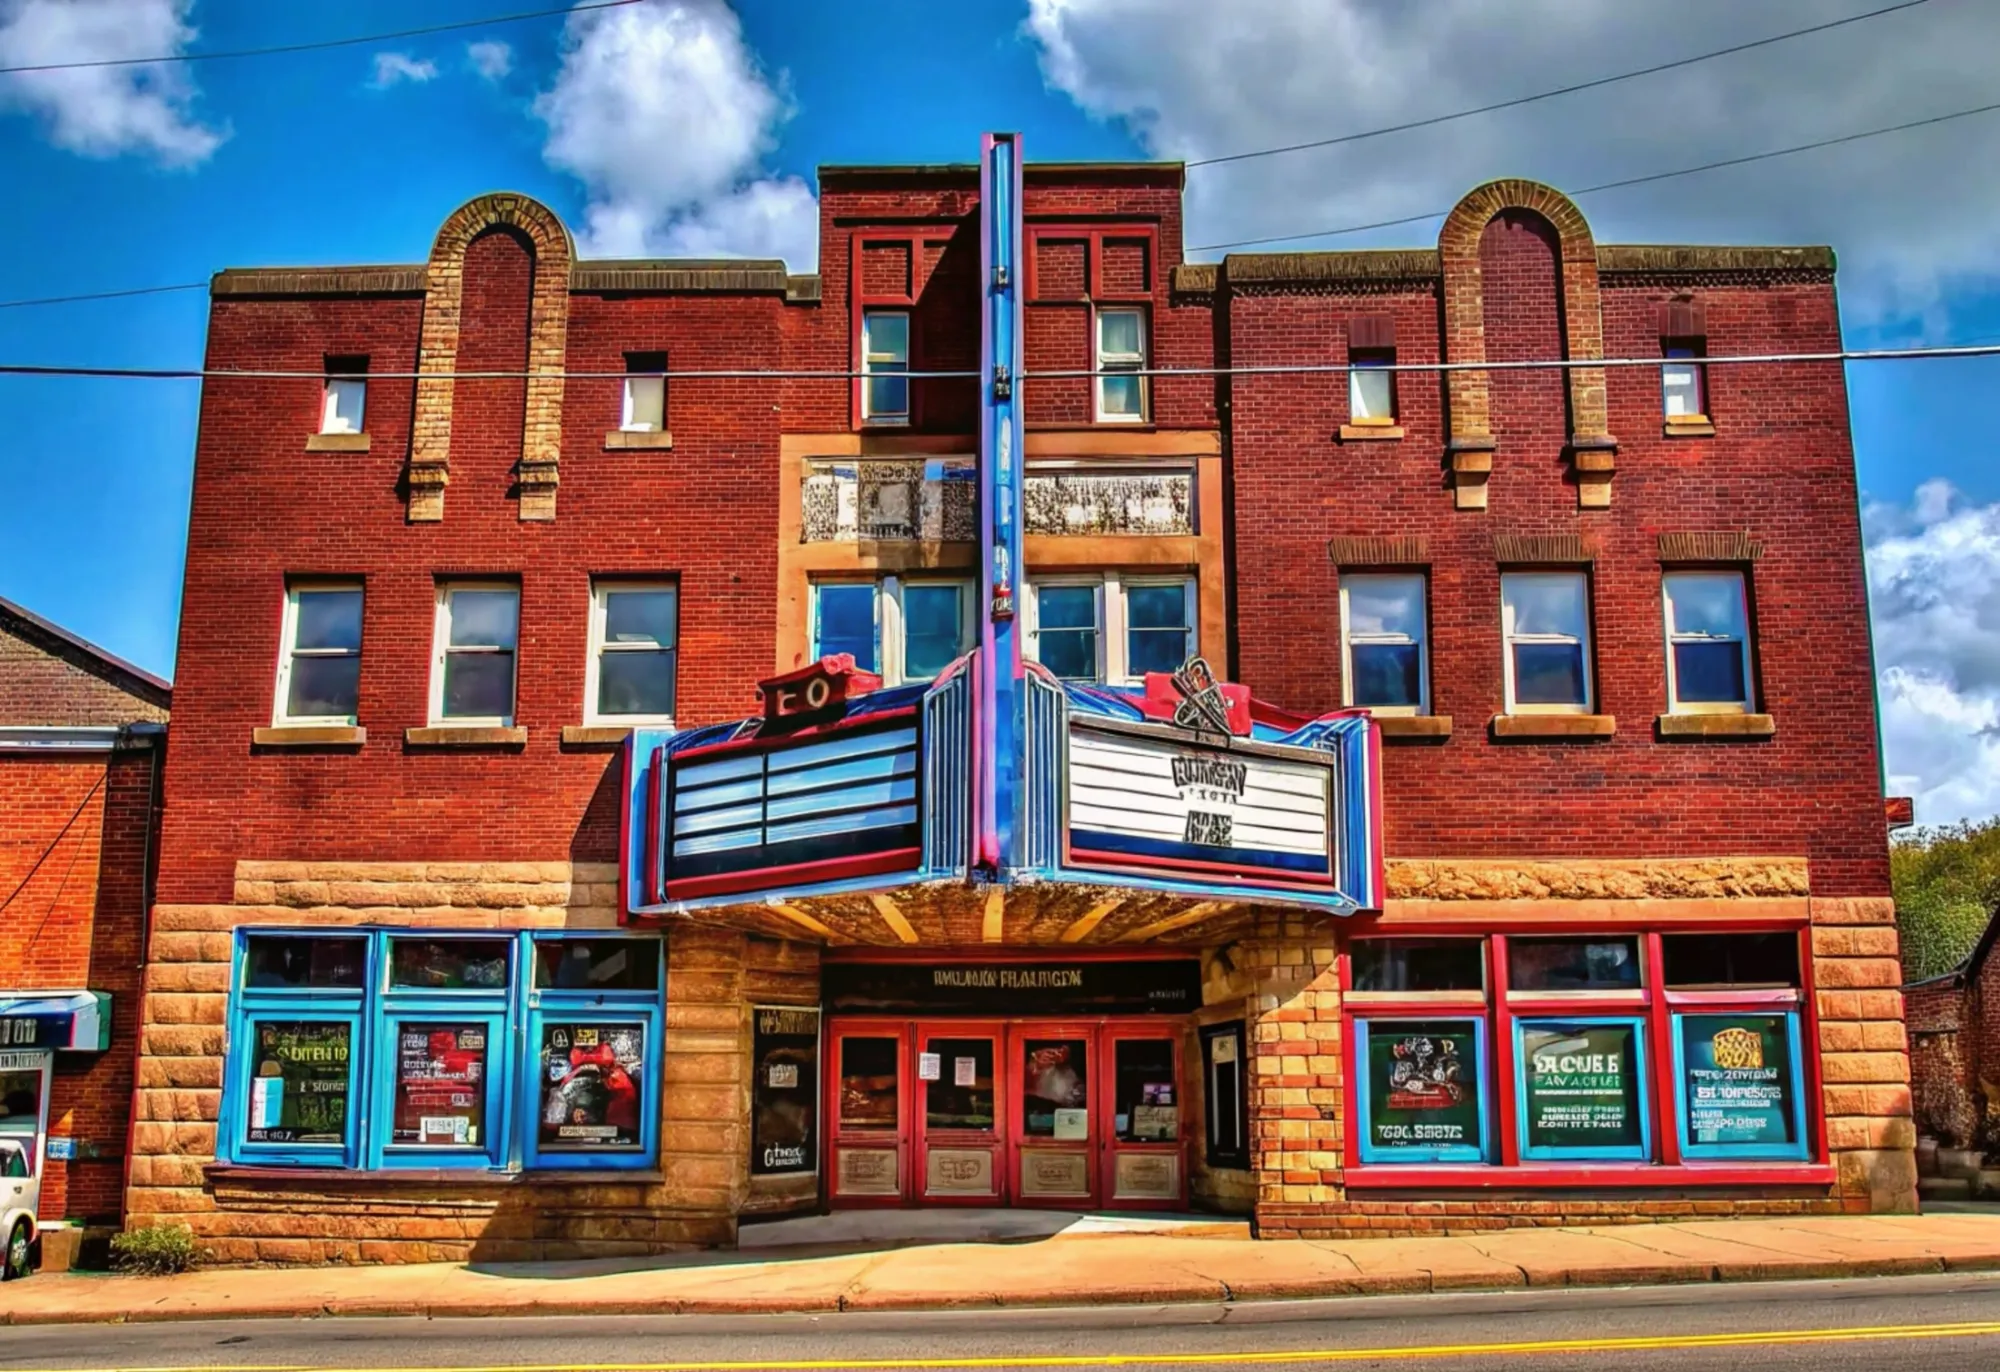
<point>1146,1102</point>
<point>868,1083</point>
<point>1055,1089</point>
<point>962,1095</point>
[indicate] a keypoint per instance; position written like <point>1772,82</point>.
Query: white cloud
<point>490,58</point>
<point>1192,81</point>
<point>1934,587</point>
<point>394,68</point>
<point>666,116</point>
<point>105,111</point>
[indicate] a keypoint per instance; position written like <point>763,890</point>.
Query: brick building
<point>81,737</point>
<point>646,759</point>
<point>1954,1026</point>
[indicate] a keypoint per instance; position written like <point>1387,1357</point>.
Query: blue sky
<point>682,125</point>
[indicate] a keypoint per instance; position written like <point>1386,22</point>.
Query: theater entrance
<point>1052,1110</point>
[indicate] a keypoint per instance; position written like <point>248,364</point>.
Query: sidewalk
<point>1069,1268</point>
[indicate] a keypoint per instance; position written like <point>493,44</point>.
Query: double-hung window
<point>1383,633</point>
<point>634,638</point>
<point>903,629</point>
<point>1371,387</point>
<point>885,349</point>
<point>1708,642</point>
<point>319,660</point>
<point>343,402</point>
<point>1121,358</point>
<point>472,669</point>
<point>1545,621</point>
<point>1683,383</point>
<point>644,407</point>
<point>1111,628</point>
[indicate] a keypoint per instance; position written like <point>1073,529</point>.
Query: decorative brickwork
<point>1348,550</point>
<point>1710,547</point>
<point>1609,879</point>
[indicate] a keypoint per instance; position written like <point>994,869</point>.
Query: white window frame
<point>1378,361</point>
<point>1113,623</point>
<point>288,635</point>
<point>441,643</point>
<point>600,608</point>
<point>891,362</point>
<point>1122,362</point>
<point>1675,705</point>
<point>329,405</point>
<point>1508,638</point>
<point>1422,640</point>
<point>1684,355</point>
<point>626,422</point>
<point>892,645</point>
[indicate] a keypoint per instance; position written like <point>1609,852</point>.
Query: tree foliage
<point>1947,883</point>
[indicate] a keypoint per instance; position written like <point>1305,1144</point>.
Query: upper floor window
<point>1708,642</point>
<point>1682,380</point>
<point>1545,620</point>
<point>344,405</point>
<point>319,664</point>
<point>1111,628</point>
<point>1121,352</point>
<point>645,405</point>
<point>902,629</point>
<point>1382,630</point>
<point>634,639</point>
<point>472,671</point>
<point>885,347</point>
<point>1371,387</point>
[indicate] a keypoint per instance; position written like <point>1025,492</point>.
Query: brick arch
<point>1471,443</point>
<point>437,353</point>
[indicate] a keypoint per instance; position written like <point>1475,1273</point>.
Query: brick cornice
<point>1530,549</point>
<point>1710,547</point>
<point>1361,550</point>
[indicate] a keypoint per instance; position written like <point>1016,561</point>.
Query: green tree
<point>1947,883</point>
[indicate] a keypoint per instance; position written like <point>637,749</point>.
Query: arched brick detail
<point>1471,441</point>
<point>437,352</point>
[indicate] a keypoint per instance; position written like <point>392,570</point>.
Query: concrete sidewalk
<point>1086,1267</point>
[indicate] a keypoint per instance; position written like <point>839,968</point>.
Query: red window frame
<point>1094,236</point>
<point>914,237</point>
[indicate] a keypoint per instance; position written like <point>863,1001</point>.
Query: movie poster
<point>440,1085</point>
<point>784,1096</point>
<point>591,1071</point>
<point>1737,1079</point>
<point>1423,1085</point>
<point>1580,1082</point>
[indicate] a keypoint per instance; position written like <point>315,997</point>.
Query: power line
<point>1625,181</point>
<point>323,43</point>
<point>1520,100</point>
<point>102,295</point>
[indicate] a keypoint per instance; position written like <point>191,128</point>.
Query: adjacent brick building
<point>1631,954</point>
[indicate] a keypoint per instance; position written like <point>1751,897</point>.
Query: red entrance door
<point>960,1102</point>
<point>1139,1103</point>
<point>1053,1118</point>
<point>868,1112</point>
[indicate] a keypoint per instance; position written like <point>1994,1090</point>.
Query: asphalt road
<point>1945,1323</point>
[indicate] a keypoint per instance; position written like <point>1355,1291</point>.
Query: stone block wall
<point>1864,1054</point>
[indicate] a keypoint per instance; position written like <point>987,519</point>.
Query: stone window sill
<point>1554,726</point>
<point>310,736</point>
<point>1717,726</point>
<point>337,443</point>
<point>598,735</point>
<point>1370,433</point>
<point>280,1178</point>
<point>1415,726</point>
<point>466,736</point>
<point>1690,426</point>
<point>645,440</point>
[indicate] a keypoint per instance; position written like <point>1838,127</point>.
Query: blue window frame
<point>1420,1100</point>
<point>1582,1088</point>
<point>1739,1084</point>
<point>395,1048</point>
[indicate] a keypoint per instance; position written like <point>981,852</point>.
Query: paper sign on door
<point>1072,1124</point>
<point>930,1067</point>
<point>964,1071</point>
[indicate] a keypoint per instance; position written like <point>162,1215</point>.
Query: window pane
<point>597,964</point>
<point>21,1100</point>
<point>1545,602</point>
<point>1156,607</point>
<point>484,619</point>
<point>328,619</point>
<point>1709,673</point>
<point>868,1083</point>
<point>460,964</point>
<point>1681,384</point>
<point>1708,603</point>
<point>1055,1088</point>
<point>886,335</point>
<point>1384,605</point>
<point>1419,965</point>
<point>13,1159</point>
<point>1423,1088</point>
<point>1122,394</point>
<point>844,622</point>
<point>962,1095</point>
<point>1156,650</point>
<point>1548,674</point>
<point>1369,393</point>
<point>323,687</point>
<point>888,395</point>
<point>298,1082</point>
<point>645,403</point>
<point>591,1075</point>
<point>286,961</point>
<point>1581,1086</point>
<point>1118,334</point>
<point>345,400</point>
<point>1066,607</point>
<point>641,617</point>
<point>1705,960</point>
<point>1070,653</point>
<point>933,629</point>
<point>478,685</point>
<point>1555,964</point>
<point>1737,1079</point>
<point>635,683</point>
<point>440,1085</point>
<point>1146,1106</point>
<point>1388,674</point>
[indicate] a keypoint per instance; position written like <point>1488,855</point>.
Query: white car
<point>20,1192</point>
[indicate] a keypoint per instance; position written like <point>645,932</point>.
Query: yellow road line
<point>1747,1338</point>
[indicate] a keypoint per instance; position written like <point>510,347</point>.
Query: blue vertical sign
<point>1000,753</point>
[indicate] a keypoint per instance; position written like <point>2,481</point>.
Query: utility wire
<point>322,43</point>
<point>1518,101</point>
<point>1625,181</point>
<point>103,295</point>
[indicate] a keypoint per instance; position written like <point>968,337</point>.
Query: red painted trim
<point>1660,1025</point>
<point>860,300</point>
<point>1430,928</point>
<point>1506,1140</point>
<point>1788,998</point>
<point>1124,863</point>
<point>759,742</point>
<point>627,760</point>
<point>1594,1175</point>
<point>1093,236</point>
<point>798,873</point>
<point>656,810</point>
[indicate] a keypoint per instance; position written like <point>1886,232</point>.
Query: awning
<point>74,1021</point>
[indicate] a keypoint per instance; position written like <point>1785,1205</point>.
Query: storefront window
<point>1581,1088</point>
<point>285,962</point>
<point>1421,965</point>
<point>958,1089</point>
<point>1735,961</point>
<point>1422,1092</point>
<point>1055,1089</point>
<point>448,964</point>
<point>21,1086</point>
<point>441,1080</point>
<point>784,1092</point>
<point>1226,1107</point>
<point>1145,1106</point>
<point>1738,1079</point>
<point>1573,964</point>
<point>590,1096</point>
<point>868,1082</point>
<point>301,1079</point>
<point>597,964</point>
